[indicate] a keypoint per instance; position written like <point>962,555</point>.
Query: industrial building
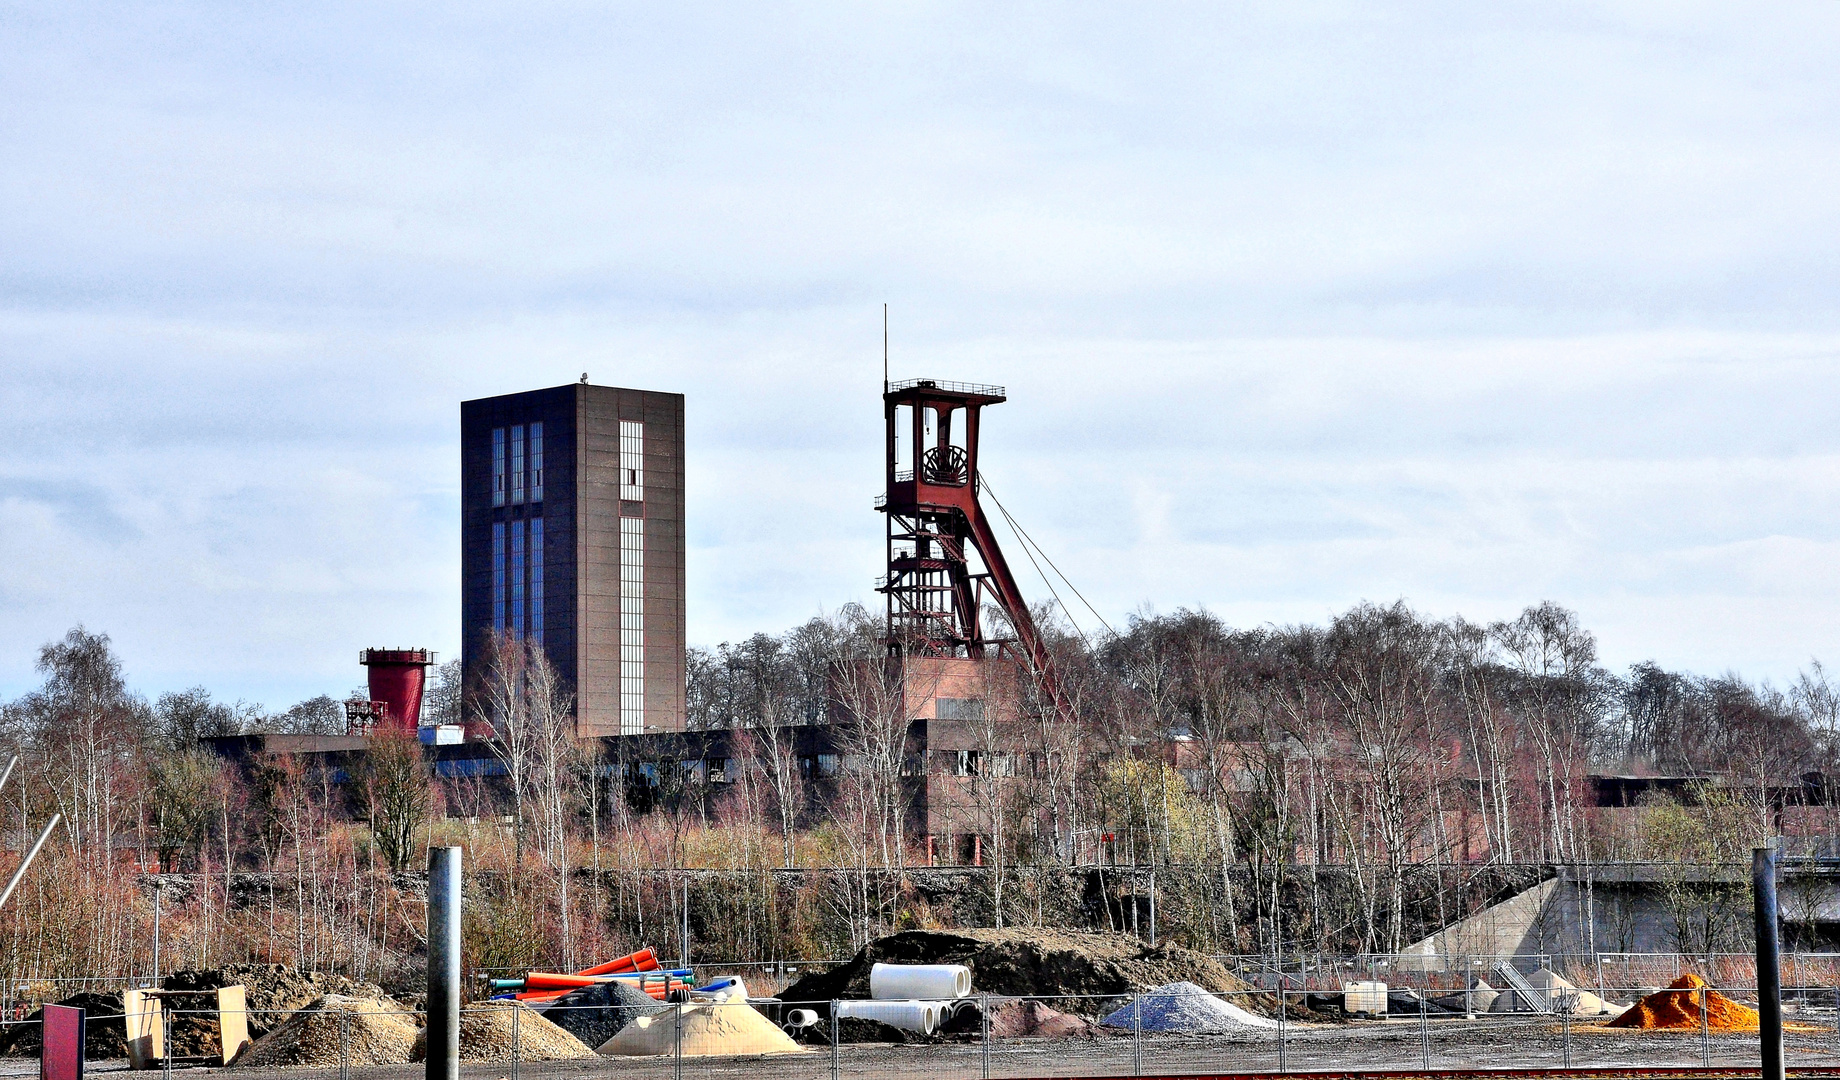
<point>572,537</point>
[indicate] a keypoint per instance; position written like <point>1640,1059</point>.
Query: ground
<point>1493,1043</point>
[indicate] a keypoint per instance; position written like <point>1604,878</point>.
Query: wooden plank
<point>233,1020</point>
<point>141,1013</point>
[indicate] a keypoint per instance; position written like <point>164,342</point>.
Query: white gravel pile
<point>1185,1008</point>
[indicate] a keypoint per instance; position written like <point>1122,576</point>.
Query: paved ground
<point>1395,1045</point>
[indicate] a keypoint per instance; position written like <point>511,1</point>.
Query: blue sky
<point>1298,305</point>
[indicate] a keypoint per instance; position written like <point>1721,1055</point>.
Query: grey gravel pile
<point>1187,1009</point>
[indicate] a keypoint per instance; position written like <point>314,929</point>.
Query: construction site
<point>963,836</point>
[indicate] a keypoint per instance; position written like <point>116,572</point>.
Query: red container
<point>396,680</point>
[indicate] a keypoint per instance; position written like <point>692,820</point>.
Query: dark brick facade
<point>581,510</point>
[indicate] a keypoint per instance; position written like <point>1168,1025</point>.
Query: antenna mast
<point>884,348</point>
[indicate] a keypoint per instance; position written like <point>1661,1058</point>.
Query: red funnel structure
<point>396,680</point>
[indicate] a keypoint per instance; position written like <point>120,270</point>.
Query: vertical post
<point>984,1014</point>
<point>1705,1029</point>
<point>833,1039</point>
<point>1424,1031</point>
<point>1769,974</point>
<point>1283,1062</point>
<point>1137,1032</point>
<point>344,1045</point>
<point>1570,1004</point>
<point>517,1041</point>
<point>1469,987</point>
<point>443,963</point>
<point>677,1044</point>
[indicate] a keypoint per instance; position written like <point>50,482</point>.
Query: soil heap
<point>1076,968</point>
<point>271,991</point>
<point>487,1034</point>
<point>105,1034</point>
<point>1677,1009</point>
<point>597,1013</point>
<point>373,1031</point>
<point>1033,1020</point>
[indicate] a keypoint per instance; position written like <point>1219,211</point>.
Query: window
<point>536,463</point>
<point>517,464</point>
<point>632,460</point>
<point>498,466</point>
<point>967,763</point>
<point>632,626</point>
<point>517,577</point>
<point>717,770</point>
<point>947,708</point>
<point>827,764</point>
<point>498,575</point>
<point>536,577</point>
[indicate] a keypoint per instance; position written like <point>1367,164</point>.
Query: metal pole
<point>1570,1003</point>
<point>1424,1031</point>
<point>344,1045</point>
<point>1705,1030</point>
<point>159,894</point>
<point>30,855</point>
<point>1153,907</point>
<point>1283,1062</point>
<point>1769,973</point>
<point>1469,988</point>
<point>443,963</point>
<point>1137,1033</point>
<point>984,1013</point>
<point>517,1041</point>
<point>677,1044</point>
<point>833,1039</point>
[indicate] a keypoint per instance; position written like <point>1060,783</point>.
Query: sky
<point>1298,305</point>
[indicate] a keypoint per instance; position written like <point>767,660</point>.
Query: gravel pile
<point>595,1014</point>
<point>486,1034</point>
<point>271,990</point>
<point>374,1031</point>
<point>1185,1008</point>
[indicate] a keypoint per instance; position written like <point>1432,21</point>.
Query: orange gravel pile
<point>1677,1009</point>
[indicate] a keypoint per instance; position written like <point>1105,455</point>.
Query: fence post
<point>1569,1003</point>
<point>1424,1031</point>
<point>1137,1036</point>
<point>1705,1031</point>
<point>677,1061</point>
<point>344,1045</point>
<point>517,1040</point>
<point>1283,1062</point>
<point>166,1043</point>
<point>984,1012</point>
<point>833,1039</point>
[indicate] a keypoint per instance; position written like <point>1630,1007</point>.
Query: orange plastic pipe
<point>643,960</point>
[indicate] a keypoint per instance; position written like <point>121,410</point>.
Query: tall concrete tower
<point>572,537</point>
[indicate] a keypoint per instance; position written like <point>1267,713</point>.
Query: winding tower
<point>944,562</point>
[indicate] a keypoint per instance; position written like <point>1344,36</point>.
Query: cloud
<point>1298,305</point>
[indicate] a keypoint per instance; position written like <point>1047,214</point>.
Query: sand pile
<point>1185,1008</point>
<point>729,1028</point>
<point>597,1013</point>
<point>1033,1020</point>
<point>1677,1009</point>
<point>375,1031</point>
<point>487,1034</point>
<point>1028,962</point>
<point>105,1034</point>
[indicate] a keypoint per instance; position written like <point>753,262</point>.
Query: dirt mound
<point>1677,1009</point>
<point>1065,965</point>
<point>373,1031</point>
<point>105,1034</point>
<point>596,1013</point>
<point>1033,1020</point>
<point>271,990</point>
<point>486,1034</point>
